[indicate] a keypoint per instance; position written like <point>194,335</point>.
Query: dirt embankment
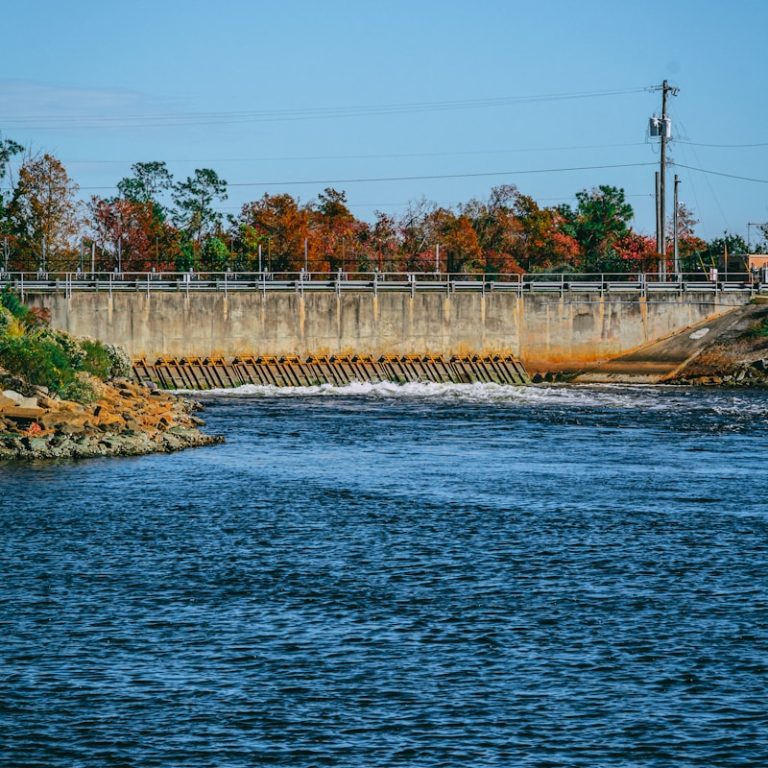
<point>126,419</point>
<point>738,358</point>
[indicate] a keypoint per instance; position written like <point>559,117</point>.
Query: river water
<point>423,575</point>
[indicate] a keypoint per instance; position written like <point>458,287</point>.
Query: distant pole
<point>5,253</point>
<point>663,174</point>
<point>676,251</point>
<point>437,258</point>
<point>259,258</point>
<point>658,226</point>
<point>306,254</point>
<point>751,224</point>
<point>93,257</point>
<point>120,255</point>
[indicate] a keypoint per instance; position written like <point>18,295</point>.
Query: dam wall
<point>546,331</point>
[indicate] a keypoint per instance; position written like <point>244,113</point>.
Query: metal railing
<point>640,283</point>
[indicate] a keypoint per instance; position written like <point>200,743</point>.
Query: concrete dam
<point>204,336</point>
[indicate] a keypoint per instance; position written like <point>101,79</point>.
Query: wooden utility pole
<point>666,134</point>
<point>676,250</point>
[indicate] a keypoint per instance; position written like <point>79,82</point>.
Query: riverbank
<point>737,358</point>
<point>125,419</point>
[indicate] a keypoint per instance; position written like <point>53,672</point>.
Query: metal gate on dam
<point>197,331</point>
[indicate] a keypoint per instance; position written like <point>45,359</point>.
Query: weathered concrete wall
<point>547,332</point>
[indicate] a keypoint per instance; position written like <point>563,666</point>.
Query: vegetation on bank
<point>156,222</point>
<point>32,350</point>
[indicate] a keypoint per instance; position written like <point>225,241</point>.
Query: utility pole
<point>437,259</point>
<point>657,191</point>
<point>676,251</point>
<point>306,253</point>
<point>260,258</point>
<point>664,128</point>
<point>750,224</point>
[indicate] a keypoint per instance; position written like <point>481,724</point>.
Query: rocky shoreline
<point>738,358</point>
<point>126,419</point>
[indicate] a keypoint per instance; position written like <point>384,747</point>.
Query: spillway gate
<point>338,370</point>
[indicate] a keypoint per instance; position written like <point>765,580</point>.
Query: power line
<point>224,117</point>
<point>721,146</point>
<point>295,182</point>
<point>388,155</point>
<point>720,173</point>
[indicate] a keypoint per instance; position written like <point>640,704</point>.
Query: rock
<point>35,444</point>
<point>19,400</point>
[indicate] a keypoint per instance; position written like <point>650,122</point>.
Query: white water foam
<point>601,395</point>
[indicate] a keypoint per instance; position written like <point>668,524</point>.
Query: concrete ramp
<point>661,360</point>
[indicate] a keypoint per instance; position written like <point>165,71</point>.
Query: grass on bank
<point>41,355</point>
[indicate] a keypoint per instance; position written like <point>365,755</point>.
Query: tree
<point>690,246</point>
<point>127,231</point>
<point>8,149</point>
<point>148,182</point>
<point>497,228</point>
<point>637,253</point>
<point>194,199</point>
<point>716,249</point>
<point>215,255</point>
<point>280,225</point>
<point>542,242</point>
<point>600,219</point>
<point>334,229</point>
<point>385,243</point>
<point>44,214</point>
<point>417,236</point>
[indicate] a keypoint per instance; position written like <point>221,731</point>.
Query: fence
<point>636,283</point>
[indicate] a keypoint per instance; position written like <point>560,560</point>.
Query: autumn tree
<point>8,149</point>
<point>277,223</point>
<point>636,252</point>
<point>126,234</point>
<point>334,230</point>
<point>417,236</point>
<point>542,242</point>
<point>384,242</point>
<point>44,214</point>
<point>497,228</point>
<point>690,246</point>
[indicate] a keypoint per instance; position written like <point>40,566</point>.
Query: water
<point>399,576</point>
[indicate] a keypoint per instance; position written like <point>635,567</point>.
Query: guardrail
<point>628,283</point>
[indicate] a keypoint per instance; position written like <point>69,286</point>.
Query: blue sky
<point>284,92</point>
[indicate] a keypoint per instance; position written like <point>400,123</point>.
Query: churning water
<point>377,575</point>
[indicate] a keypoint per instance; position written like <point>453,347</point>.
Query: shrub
<point>759,330</point>
<point>12,303</point>
<point>5,320</point>
<point>96,359</point>
<point>79,389</point>
<point>121,363</point>
<point>40,360</point>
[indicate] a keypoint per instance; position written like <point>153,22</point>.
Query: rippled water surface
<point>413,576</point>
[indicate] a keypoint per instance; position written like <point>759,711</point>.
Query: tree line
<point>157,223</point>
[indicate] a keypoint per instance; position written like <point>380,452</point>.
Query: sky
<point>372,97</point>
